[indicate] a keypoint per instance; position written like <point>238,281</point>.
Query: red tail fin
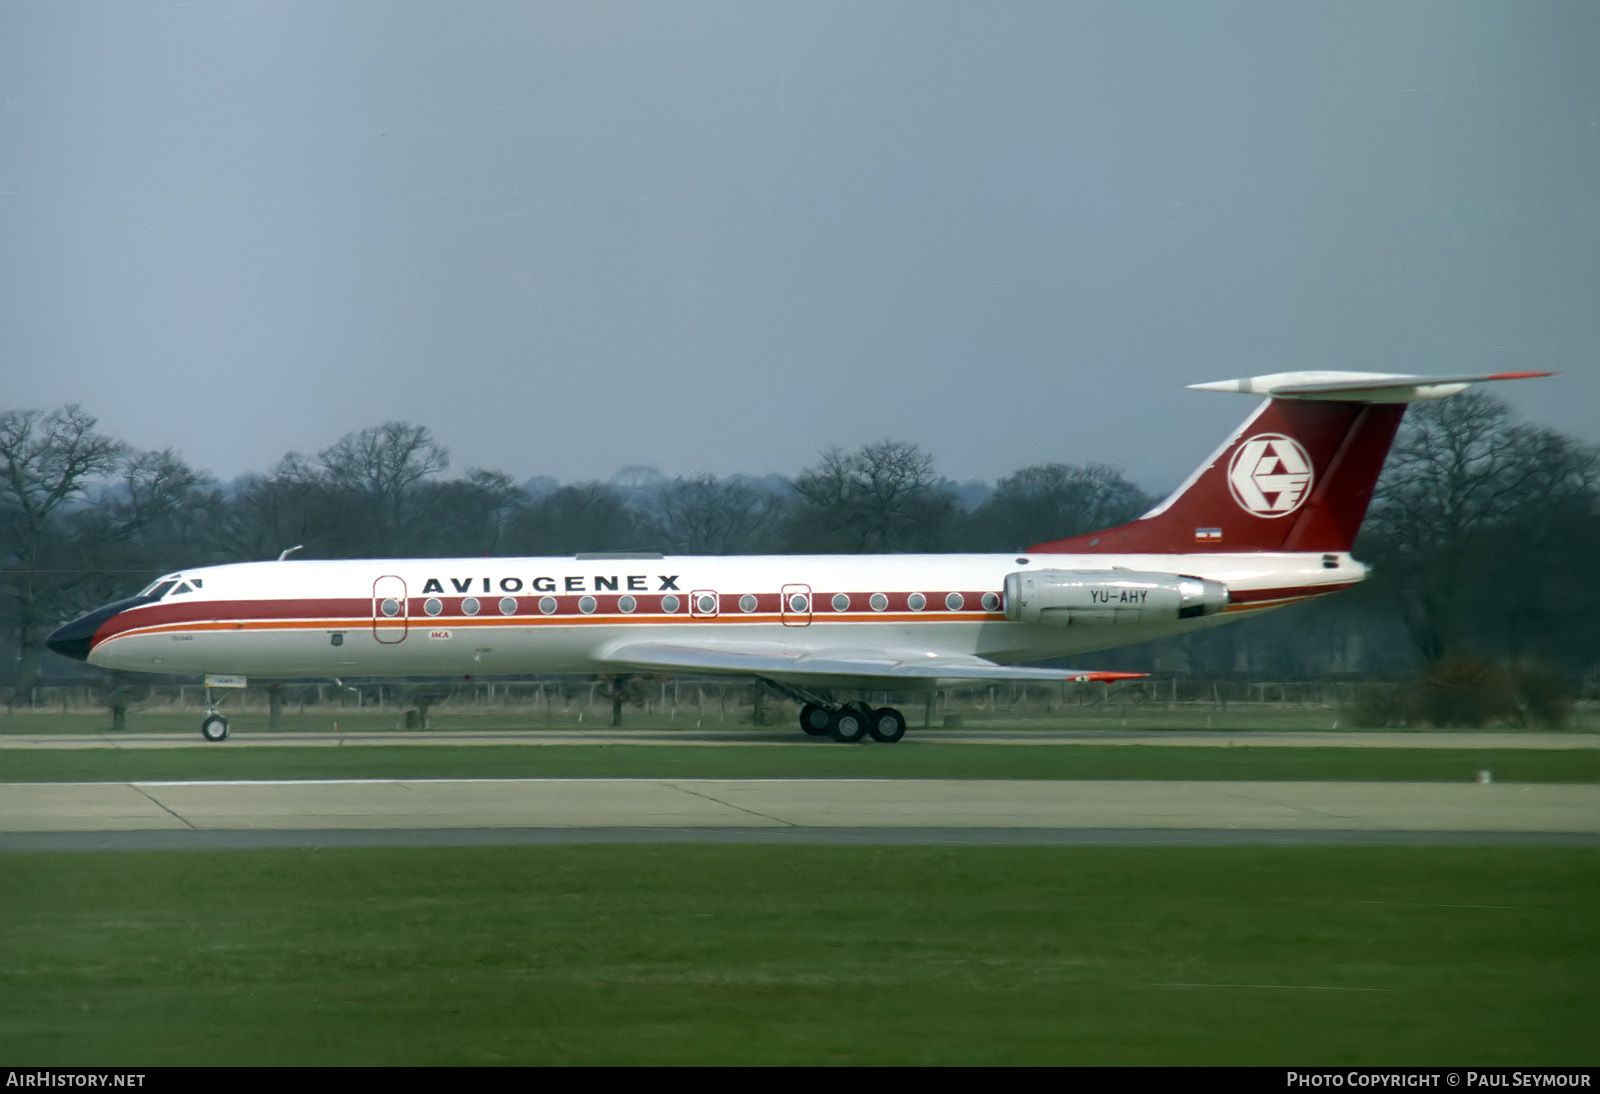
<point>1297,476</point>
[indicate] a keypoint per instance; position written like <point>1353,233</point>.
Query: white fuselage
<point>517,616</point>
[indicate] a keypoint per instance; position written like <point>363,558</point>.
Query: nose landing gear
<point>213,727</point>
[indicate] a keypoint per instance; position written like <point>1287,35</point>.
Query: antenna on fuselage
<point>289,551</point>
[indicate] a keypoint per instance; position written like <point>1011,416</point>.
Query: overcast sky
<point>571,237</point>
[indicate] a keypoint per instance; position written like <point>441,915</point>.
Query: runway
<point>370,812</point>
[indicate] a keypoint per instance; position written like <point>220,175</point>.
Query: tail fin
<point>1298,475</point>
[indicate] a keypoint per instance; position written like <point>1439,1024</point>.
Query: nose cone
<point>76,639</point>
<point>73,639</point>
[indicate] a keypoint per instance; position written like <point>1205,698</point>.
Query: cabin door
<point>390,611</point>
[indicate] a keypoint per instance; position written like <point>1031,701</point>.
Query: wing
<point>868,669</point>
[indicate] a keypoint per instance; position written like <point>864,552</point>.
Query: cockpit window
<point>159,590</point>
<point>183,587</point>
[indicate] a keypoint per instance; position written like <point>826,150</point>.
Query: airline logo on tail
<point>1270,475</point>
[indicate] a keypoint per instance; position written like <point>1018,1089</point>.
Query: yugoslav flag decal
<point>1270,475</point>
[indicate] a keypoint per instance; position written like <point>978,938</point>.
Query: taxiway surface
<point>369,811</point>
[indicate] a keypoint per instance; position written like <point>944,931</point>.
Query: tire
<point>214,728</point>
<point>888,725</point>
<point>814,720</point>
<point>847,726</point>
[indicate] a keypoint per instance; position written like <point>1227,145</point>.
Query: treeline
<point>1480,530</point>
<point>1481,534</point>
<point>85,519</point>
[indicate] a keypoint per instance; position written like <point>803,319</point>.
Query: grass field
<point>821,759</point>
<point>731,954</point>
<point>675,954</point>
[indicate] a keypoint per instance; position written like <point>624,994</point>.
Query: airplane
<point>1268,519</point>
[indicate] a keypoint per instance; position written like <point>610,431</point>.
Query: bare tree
<point>161,509</point>
<point>881,497</point>
<point>49,461</point>
<point>469,516</point>
<point>383,465</point>
<point>582,517</point>
<point>1054,500</point>
<point>260,516</point>
<point>1446,473</point>
<point>1470,515</point>
<point>705,516</point>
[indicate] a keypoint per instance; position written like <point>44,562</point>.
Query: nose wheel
<point>213,727</point>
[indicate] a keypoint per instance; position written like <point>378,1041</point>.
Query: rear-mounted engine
<point>1108,597</point>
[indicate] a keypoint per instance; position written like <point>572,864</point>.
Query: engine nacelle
<point>1108,597</point>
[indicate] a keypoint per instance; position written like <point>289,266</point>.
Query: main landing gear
<point>853,722</point>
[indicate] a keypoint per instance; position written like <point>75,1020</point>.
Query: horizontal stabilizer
<point>822,666</point>
<point>1358,387</point>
